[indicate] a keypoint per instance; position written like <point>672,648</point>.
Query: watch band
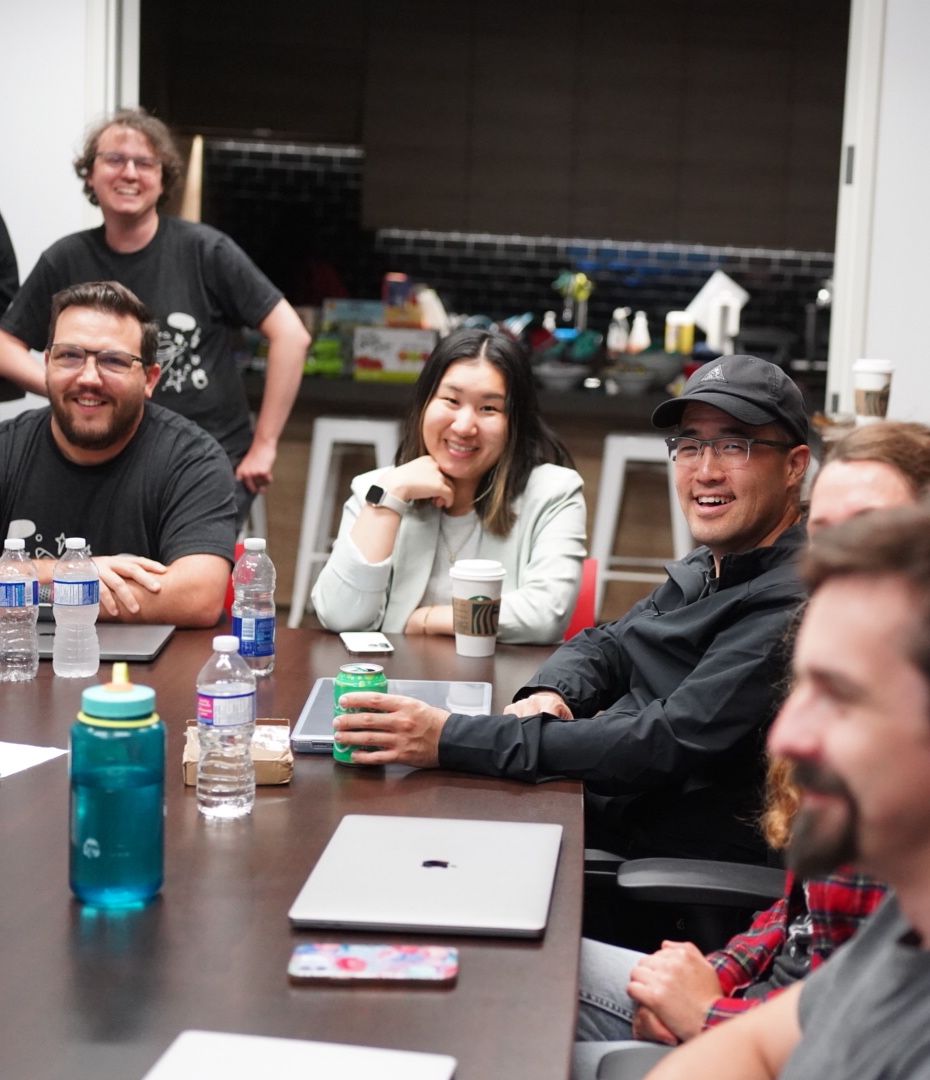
<point>377,496</point>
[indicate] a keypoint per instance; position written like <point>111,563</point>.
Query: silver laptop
<point>313,732</point>
<point>118,641</point>
<point>213,1055</point>
<point>452,875</point>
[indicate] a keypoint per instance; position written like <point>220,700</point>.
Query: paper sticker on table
<point>14,757</point>
<point>210,1054</point>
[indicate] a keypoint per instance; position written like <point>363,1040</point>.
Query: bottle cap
<point>75,542</point>
<point>118,699</point>
<point>14,543</point>
<point>225,643</point>
<point>254,543</point>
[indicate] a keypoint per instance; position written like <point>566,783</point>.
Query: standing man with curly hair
<point>201,287</point>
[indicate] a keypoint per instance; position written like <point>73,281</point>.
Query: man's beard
<point>812,851</point>
<point>122,423</point>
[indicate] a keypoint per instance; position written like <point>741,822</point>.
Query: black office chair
<point>697,900</point>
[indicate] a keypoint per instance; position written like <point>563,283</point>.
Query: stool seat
<point>619,451</point>
<point>330,435</point>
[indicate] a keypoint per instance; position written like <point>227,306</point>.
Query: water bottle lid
<point>14,543</point>
<point>73,543</point>
<point>254,543</point>
<point>226,643</point>
<point>118,699</point>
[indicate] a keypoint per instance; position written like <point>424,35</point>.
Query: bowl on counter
<point>664,367</point>
<point>557,376</point>
<point>629,381</point>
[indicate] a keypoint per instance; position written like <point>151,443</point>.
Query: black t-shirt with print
<point>202,289</point>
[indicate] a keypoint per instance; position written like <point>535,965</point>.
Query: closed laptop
<point>451,875</point>
<point>136,642</point>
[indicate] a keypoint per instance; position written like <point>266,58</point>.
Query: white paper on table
<point>213,1055</point>
<point>14,757</point>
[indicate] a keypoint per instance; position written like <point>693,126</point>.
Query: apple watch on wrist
<point>377,496</point>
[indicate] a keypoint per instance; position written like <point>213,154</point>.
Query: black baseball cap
<point>746,387</point>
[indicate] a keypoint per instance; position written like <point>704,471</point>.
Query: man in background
<point>9,276</point>
<point>150,490</point>
<point>201,287</point>
<point>9,283</point>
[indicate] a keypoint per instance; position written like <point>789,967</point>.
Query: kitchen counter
<point>564,410</point>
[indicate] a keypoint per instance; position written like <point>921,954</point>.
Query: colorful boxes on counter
<point>330,355</point>
<point>390,354</point>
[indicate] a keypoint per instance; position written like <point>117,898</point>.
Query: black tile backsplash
<point>296,210</point>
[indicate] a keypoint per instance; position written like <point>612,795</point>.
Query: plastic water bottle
<point>253,611</point>
<point>19,610</point>
<point>225,725</point>
<point>117,795</point>
<point>76,604</point>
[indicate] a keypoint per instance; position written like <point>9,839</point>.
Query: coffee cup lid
<point>874,367</point>
<point>478,570</point>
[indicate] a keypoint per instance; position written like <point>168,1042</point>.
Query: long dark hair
<point>530,440</point>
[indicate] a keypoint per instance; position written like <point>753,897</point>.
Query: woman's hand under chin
<point>421,479</point>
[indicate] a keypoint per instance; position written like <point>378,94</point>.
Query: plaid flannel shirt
<point>838,904</point>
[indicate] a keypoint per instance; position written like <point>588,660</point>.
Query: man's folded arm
<point>590,671</point>
<point>636,745</point>
<point>192,591</point>
<point>187,592</point>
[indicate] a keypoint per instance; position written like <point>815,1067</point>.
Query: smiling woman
<point>478,475</point>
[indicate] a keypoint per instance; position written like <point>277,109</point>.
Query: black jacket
<point>672,703</point>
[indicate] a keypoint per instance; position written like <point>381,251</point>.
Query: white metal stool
<point>256,522</point>
<point>329,434</point>
<point>619,450</point>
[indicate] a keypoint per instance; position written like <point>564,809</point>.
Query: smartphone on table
<point>366,641</point>
<point>427,965</point>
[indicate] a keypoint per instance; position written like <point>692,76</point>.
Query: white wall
<point>898,325</point>
<point>65,63</point>
<point>881,304</point>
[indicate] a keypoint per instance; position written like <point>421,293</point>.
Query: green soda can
<point>355,677</point>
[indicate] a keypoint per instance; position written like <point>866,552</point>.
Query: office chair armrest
<point>602,862</point>
<point>701,881</point>
<point>631,1062</point>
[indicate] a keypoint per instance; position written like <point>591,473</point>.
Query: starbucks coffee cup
<point>476,605</point>
<point>871,385</point>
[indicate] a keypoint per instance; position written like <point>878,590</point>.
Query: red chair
<point>227,603</point>
<point>584,614</point>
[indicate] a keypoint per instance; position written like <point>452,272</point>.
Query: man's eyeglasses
<point>114,160</point>
<point>730,452</point>
<point>108,361</point>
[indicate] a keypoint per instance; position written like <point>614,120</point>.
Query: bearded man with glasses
<point>672,701</point>
<point>150,490</point>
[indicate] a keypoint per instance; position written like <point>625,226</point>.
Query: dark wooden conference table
<point>85,994</point>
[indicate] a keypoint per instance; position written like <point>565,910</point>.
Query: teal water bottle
<point>117,795</point>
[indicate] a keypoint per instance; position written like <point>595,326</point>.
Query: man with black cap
<point>672,701</point>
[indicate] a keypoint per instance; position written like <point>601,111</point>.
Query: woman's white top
<point>542,556</point>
